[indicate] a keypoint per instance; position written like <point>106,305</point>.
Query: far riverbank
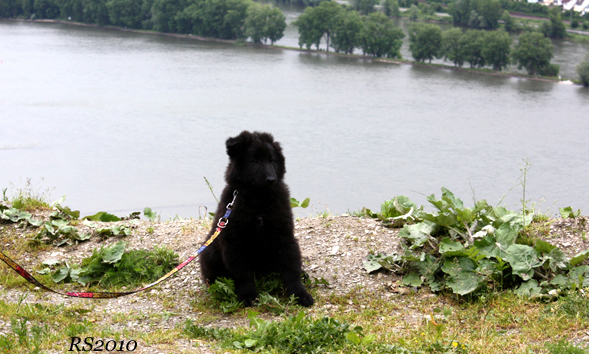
<point>482,71</point>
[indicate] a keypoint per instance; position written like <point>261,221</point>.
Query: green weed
<point>112,267</point>
<point>564,347</point>
<point>465,249</point>
<point>272,296</point>
<point>296,334</point>
<point>29,197</point>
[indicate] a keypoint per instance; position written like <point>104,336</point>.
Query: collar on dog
<point>221,224</point>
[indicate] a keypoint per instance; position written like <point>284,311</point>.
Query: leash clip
<point>230,205</point>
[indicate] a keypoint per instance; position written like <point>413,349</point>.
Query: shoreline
<point>312,51</point>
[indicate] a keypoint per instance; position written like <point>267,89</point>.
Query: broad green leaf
<point>74,214</point>
<point>150,214</point>
<point>580,274</point>
<point>50,262</point>
<point>305,203</point>
<point>34,222</point>
<point>82,237</point>
<point>464,282</point>
<point>353,337</point>
<point>579,258</point>
<point>399,205</point>
<point>250,343</point>
<point>487,246</point>
<point>60,275</point>
<point>293,204</point>
<point>449,247</point>
<point>427,265</point>
<point>569,213</point>
<point>103,216</point>
<point>439,204</point>
<point>560,281</point>
<point>543,246</point>
<point>556,259</point>
<point>506,235</point>
<point>441,219</point>
<point>465,215</point>
<point>456,265</point>
<point>454,202</point>
<point>528,288</point>
<point>44,271</point>
<point>418,234</point>
<point>462,276</point>
<point>412,279</point>
<point>371,263</point>
<point>114,253</point>
<point>523,260</point>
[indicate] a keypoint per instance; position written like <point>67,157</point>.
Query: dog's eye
<point>256,161</point>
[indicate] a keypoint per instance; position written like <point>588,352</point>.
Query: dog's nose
<point>270,180</point>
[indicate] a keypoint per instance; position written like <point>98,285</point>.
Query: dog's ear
<point>237,145</point>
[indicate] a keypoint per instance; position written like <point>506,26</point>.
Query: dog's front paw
<point>248,299</point>
<point>305,299</point>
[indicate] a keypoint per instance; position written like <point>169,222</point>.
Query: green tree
<point>508,22</point>
<point>317,23</point>
<point>583,71</point>
<point>126,13</point>
<point>95,12</point>
<point>70,9</point>
<point>8,9</point>
<point>255,22</point>
<point>557,29</point>
<point>223,19</point>
<point>347,32</point>
<point>264,22</point>
<point>165,14</point>
<point>276,24</point>
<point>425,41</point>
<point>452,46</point>
<point>471,43</point>
<point>533,52</point>
<point>460,12</point>
<point>380,36</point>
<point>364,6</point>
<point>46,9</point>
<point>496,49</point>
<point>413,12</point>
<point>476,13</point>
<point>390,7</point>
<point>26,8</point>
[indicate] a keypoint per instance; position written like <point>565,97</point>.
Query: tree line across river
<point>341,27</point>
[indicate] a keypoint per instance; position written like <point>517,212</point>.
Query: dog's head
<point>255,160</point>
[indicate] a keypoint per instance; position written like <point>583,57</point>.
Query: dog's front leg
<point>245,287</point>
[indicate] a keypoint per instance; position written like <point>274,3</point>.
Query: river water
<point>120,121</point>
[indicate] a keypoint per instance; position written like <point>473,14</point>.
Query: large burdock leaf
<point>529,288</point>
<point>462,276</point>
<point>523,260</point>
<point>418,234</point>
<point>451,248</point>
<point>579,258</point>
<point>114,253</point>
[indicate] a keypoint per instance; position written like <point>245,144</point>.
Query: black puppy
<point>259,236</point>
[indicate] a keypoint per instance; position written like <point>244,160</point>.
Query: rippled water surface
<point>119,121</point>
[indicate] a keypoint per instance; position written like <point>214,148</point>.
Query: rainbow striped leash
<point>223,221</point>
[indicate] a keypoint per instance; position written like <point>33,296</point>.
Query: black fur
<point>259,237</point>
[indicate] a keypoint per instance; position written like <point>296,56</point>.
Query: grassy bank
<point>369,313</point>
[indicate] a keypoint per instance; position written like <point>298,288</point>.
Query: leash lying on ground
<point>109,295</point>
